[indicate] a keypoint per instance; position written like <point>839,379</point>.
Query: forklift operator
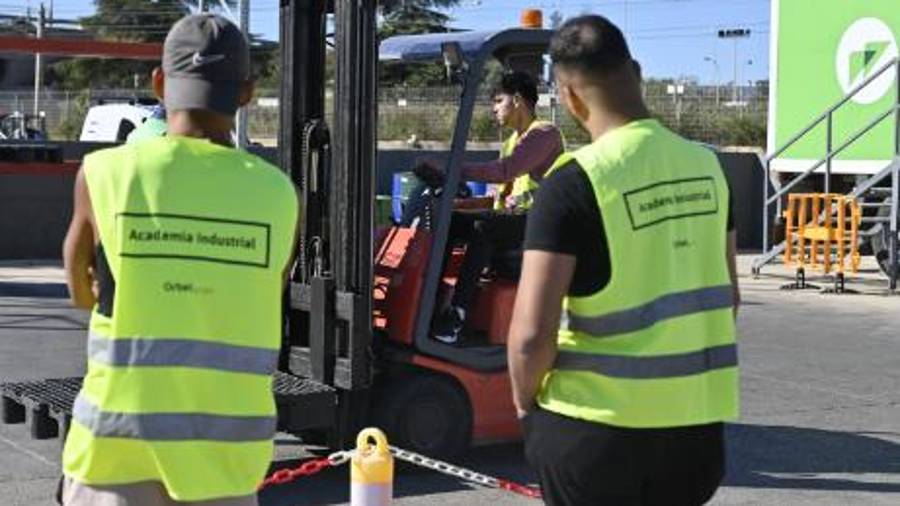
<point>525,157</point>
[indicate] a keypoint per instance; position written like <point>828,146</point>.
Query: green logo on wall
<point>866,47</point>
<point>822,51</point>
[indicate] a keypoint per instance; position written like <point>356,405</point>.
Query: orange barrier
<point>825,223</point>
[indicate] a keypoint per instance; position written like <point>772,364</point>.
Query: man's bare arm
<point>535,322</point>
<point>731,258</point>
<point>534,154</point>
<point>78,248</point>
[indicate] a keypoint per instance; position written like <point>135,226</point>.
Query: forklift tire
<point>425,413</point>
<point>880,243</point>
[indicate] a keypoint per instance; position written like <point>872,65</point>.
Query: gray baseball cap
<point>205,60</point>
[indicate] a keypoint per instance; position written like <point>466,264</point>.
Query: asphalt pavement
<point>820,383</point>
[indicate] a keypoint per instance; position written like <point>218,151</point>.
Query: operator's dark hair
<point>521,83</point>
<point>590,45</point>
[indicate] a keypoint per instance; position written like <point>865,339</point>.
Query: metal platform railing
<point>890,172</point>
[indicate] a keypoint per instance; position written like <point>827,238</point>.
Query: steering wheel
<point>422,203</point>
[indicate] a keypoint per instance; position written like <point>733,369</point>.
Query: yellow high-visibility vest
<point>656,346</point>
<point>523,187</point>
<point>179,382</point>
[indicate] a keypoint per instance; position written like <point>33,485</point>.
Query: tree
<point>121,20</point>
<point>411,19</point>
<point>404,17</point>
<point>135,21</point>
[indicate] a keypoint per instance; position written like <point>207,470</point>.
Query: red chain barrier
<point>530,492</point>
<point>314,466</point>
<point>308,468</point>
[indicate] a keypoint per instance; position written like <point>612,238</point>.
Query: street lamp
<point>735,34</point>
<point>715,62</point>
<point>746,73</point>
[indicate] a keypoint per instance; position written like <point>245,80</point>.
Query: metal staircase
<point>880,191</point>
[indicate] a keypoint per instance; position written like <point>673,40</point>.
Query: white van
<point>113,122</point>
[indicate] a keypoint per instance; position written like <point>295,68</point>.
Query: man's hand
<point>430,171</point>
<point>429,163</point>
<point>531,348</point>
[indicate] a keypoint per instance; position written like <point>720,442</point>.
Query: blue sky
<point>671,38</point>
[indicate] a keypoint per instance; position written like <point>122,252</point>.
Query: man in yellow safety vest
<point>180,245</point>
<point>622,348</point>
<point>525,156</point>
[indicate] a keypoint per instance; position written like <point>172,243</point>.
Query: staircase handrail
<point>830,153</point>
<point>828,112</point>
<point>855,137</point>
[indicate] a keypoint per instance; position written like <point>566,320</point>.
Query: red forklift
<point>362,300</point>
<point>357,346</point>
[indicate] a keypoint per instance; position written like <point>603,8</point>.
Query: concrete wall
<point>745,174</point>
<point>34,214</point>
<point>35,209</point>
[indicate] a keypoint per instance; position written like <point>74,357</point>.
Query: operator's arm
<point>534,154</point>
<point>532,335</point>
<point>78,248</point>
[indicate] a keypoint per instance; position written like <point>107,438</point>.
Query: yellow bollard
<point>371,470</point>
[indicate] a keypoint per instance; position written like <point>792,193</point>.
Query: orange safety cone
<point>371,470</point>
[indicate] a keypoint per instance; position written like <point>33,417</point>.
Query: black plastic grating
<point>58,394</point>
<point>288,384</point>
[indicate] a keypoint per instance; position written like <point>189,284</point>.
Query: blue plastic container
<point>478,189</point>
<point>403,183</point>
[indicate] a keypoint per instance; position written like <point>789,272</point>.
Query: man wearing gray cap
<point>180,246</point>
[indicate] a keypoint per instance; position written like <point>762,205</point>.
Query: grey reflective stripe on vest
<point>182,353</point>
<point>172,426</point>
<point>665,366</point>
<point>665,307</point>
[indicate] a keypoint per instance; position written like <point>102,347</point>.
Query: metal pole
<point>828,148</point>
<point>734,92</point>
<point>897,116</point>
<point>201,6</point>
<point>895,193</point>
<point>37,61</point>
<point>718,82</point>
<point>892,240</point>
<point>715,63</point>
<point>678,105</point>
<point>241,125</point>
<point>765,207</point>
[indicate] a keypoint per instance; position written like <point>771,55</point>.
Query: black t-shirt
<point>565,218</point>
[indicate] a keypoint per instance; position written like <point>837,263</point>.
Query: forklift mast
<point>329,332</point>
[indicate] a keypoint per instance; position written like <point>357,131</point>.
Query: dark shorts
<point>585,463</point>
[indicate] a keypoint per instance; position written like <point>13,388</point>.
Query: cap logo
<point>199,60</point>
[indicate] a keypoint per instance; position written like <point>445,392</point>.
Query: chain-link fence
<point>723,116</point>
